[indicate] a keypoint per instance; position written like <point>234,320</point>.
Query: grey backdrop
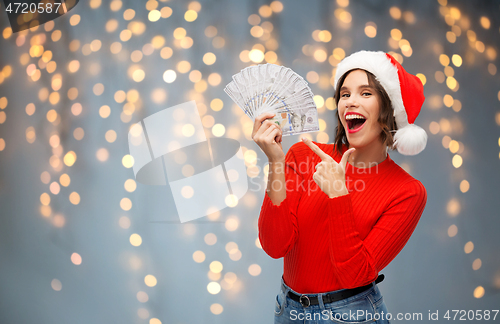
<point>432,273</point>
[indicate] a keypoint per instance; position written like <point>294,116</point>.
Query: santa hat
<point>404,89</point>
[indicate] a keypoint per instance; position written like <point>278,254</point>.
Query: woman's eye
<point>367,93</point>
<point>345,95</point>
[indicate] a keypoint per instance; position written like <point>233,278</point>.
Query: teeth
<point>352,116</point>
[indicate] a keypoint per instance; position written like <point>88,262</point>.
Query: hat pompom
<point>410,140</point>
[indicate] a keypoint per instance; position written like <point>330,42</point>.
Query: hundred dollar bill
<point>271,88</point>
<point>297,121</point>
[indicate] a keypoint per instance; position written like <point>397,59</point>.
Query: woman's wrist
<point>276,161</point>
<point>343,192</point>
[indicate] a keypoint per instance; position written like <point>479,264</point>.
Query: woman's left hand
<point>330,175</point>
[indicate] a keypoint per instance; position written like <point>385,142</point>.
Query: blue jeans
<point>366,307</point>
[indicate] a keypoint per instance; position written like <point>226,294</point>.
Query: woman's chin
<point>355,142</point>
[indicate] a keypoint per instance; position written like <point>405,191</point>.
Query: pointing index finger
<point>345,157</point>
<point>317,150</point>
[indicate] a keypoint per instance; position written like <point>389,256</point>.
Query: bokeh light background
<point>82,242</point>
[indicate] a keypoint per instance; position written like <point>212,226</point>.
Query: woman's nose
<point>351,101</point>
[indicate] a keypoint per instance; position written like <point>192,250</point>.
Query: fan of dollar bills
<point>269,87</point>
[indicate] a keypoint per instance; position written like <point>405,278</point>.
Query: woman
<point>339,213</point>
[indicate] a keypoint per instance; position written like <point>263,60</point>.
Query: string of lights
<point>54,59</point>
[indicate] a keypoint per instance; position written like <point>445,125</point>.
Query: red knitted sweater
<point>342,242</point>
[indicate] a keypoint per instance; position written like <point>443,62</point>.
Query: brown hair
<point>386,118</point>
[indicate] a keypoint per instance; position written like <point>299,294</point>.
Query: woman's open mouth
<point>354,122</point>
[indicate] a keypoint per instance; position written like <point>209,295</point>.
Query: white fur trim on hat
<point>413,137</point>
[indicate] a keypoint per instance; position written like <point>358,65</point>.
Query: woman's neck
<point>368,156</point>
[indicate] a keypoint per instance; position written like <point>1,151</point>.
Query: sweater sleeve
<point>357,262</point>
<point>278,229</point>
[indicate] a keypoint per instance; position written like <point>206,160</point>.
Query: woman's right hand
<point>268,136</point>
